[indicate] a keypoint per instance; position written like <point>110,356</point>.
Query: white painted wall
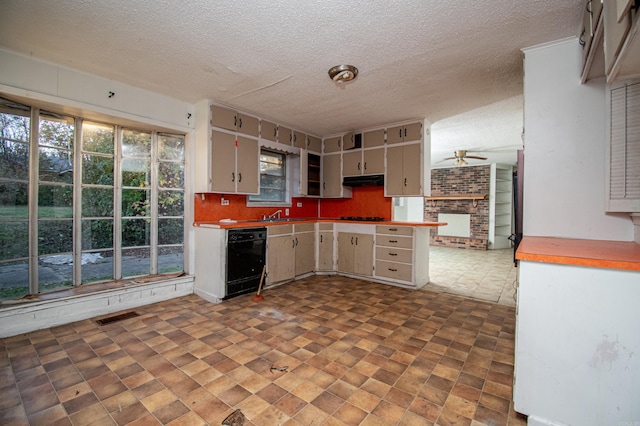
<point>564,149</point>
<point>43,83</point>
<point>578,345</point>
<point>577,340</point>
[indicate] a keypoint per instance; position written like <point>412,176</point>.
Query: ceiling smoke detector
<point>343,73</point>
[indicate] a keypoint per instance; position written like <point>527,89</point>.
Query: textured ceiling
<point>457,64</point>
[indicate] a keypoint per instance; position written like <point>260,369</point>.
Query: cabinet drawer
<point>396,271</point>
<point>325,226</point>
<point>304,227</point>
<point>394,241</point>
<point>394,254</point>
<point>279,230</point>
<point>394,230</point>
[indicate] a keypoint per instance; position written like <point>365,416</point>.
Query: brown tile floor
<point>323,350</point>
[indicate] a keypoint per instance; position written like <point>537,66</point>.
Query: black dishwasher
<point>246,250</point>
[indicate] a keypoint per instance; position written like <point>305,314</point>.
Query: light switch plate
<point>224,202</point>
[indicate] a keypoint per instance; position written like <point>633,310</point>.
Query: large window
<point>273,179</point>
<point>84,202</point>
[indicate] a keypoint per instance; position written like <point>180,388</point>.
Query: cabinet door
<point>305,252</point>
<point>373,161</point>
<point>247,125</point>
<point>346,252</point>
<point>412,132</point>
<point>299,139</point>
<point>348,141</point>
<point>614,33</point>
<point>314,144</point>
<point>248,153</point>
<point>393,180</point>
<point>284,135</point>
<point>331,176</point>
<point>411,165</point>
<point>395,134</point>
<point>333,144</point>
<point>223,162</point>
<point>373,138</point>
<point>325,251</point>
<point>363,254</point>
<point>223,117</point>
<point>280,258</point>
<point>352,163</point>
<point>268,131</point>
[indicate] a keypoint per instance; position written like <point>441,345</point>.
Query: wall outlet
<point>224,202</point>
<point>286,212</point>
<point>298,204</point>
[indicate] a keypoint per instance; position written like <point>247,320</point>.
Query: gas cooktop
<point>363,219</point>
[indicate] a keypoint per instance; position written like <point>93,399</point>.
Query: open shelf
<point>473,197</point>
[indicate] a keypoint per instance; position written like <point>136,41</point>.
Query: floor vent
<point>116,318</point>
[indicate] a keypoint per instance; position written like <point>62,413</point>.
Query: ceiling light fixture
<point>343,73</point>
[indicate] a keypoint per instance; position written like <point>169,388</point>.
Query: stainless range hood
<point>371,180</point>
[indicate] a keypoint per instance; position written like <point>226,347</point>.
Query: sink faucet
<point>275,215</point>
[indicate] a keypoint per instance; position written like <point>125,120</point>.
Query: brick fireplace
<point>460,181</point>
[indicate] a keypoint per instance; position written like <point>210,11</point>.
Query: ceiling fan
<point>460,156</point>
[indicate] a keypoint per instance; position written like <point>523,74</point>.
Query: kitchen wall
<point>365,201</point>
<point>460,181</point>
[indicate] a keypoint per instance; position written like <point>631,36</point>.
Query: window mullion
<point>33,200</point>
<point>153,238</point>
<point>117,205</point>
<point>77,203</point>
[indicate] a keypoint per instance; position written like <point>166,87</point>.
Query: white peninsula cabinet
<point>389,254</point>
<point>402,255</point>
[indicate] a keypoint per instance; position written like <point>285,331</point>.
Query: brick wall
<point>461,181</point>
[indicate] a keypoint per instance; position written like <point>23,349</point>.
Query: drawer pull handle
<point>393,270</point>
<point>393,254</point>
<point>393,241</point>
<point>393,229</point>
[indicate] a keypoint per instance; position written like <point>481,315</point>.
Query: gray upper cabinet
<point>299,139</point>
<point>268,131</point>
<point>348,141</point>
<point>314,144</point>
<point>407,133</point>
<point>232,120</point>
<point>373,138</point>
<point>333,144</point>
<point>285,135</point>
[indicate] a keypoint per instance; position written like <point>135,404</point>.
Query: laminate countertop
<point>223,224</point>
<point>623,255</point>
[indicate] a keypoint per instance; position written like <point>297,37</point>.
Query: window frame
<point>252,202</point>
<point>173,247</point>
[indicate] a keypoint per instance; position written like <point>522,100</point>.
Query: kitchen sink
<point>284,219</point>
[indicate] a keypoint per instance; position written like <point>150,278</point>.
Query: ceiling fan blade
<point>445,159</point>
<point>476,157</point>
